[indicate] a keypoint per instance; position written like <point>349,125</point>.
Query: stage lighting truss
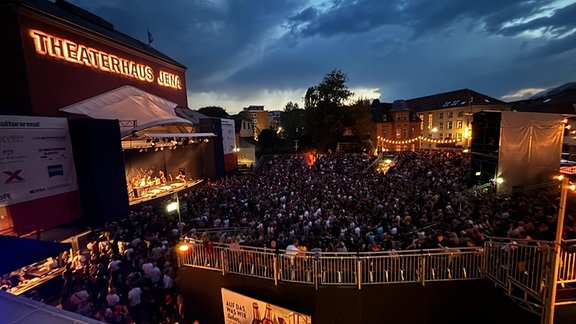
<point>160,143</point>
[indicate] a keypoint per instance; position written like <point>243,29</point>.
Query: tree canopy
<point>214,111</point>
<point>324,110</point>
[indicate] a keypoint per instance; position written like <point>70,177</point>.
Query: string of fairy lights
<point>415,139</point>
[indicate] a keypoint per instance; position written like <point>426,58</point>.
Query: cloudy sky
<point>268,52</point>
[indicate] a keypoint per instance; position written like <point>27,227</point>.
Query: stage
<point>140,195</point>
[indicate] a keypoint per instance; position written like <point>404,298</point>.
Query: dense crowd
<point>335,202</point>
<point>339,202</point>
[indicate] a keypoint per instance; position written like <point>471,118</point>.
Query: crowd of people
<point>335,202</point>
<point>340,203</point>
<point>126,274</point>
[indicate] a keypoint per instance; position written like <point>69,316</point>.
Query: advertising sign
<point>240,309</point>
<point>36,159</point>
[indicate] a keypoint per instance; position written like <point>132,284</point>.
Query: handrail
<point>520,267</point>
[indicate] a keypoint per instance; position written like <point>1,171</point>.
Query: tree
<point>324,114</point>
<point>214,111</point>
<point>358,119</point>
<point>268,138</point>
<point>292,120</point>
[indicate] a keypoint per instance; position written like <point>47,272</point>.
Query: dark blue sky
<point>268,52</point>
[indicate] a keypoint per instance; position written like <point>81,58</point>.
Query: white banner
<point>240,309</point>
<point>36,159</point>
<point>228,135</point>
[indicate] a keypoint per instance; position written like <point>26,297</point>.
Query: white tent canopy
<point>128,103</point>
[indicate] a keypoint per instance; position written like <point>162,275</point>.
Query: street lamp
<point>175,205</point>
<point>551,301</point>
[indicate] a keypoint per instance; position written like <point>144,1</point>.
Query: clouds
<point>242,53</point>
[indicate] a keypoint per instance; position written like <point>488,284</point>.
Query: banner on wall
<point>36,159</point>
<point>240,309</point>
<point>229,144</point>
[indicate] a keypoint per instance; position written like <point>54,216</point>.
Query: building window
<point>384,133</point>
<point>459,136</point>
<point>421,116</point>
<point>405,117</point>
<point>441,115</point>
<point>397,117</point>
<point>253,115</point>
<point>384,118</point>
<point>440,135</point>
<point>450,114</point>
<point>430,120</point>
<point>404,133</point>
<point>449,125</point>
<point>441,125</point>
<point>461,113</point>
<point>459,124</point>
<point>398,133</point>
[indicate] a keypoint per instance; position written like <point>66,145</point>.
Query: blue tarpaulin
<point>17,252</point>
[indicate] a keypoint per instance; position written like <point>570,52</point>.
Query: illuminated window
<point>449,125</point>
<point>450,114</point>
<point>441,115</point>
<point>430,120</point>
<point>398,133</point>
<point>441,125</point>
<point>459,124</point>
<point>459,136</point>
<point>421,116</point>
<point>405,133</point>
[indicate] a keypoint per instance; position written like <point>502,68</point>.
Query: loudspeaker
<point>484,148</point>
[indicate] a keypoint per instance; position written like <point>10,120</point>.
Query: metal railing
<point>344,269</point>
<point>523,269</point>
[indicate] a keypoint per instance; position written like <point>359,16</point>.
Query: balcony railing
<point>343,269</point>
<point>523,269</point>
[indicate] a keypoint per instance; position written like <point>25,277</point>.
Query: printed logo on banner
<point>55,170</point>
<point>13,177</point>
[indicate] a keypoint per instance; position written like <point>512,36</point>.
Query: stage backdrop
<point>38,188</point>
<point>530,148</point>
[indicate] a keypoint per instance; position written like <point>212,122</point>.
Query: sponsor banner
<point>240,309</point>
<point>36,159</point>
<point>228,136</point>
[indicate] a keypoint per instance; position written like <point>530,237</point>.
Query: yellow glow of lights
<point>172,207</point>
<point>77,53</point>
<point>419,138</point>
<point>183,247</point>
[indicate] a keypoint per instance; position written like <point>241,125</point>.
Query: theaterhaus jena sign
<point>64,49</point>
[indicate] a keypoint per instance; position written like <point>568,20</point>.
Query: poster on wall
<point>36,159</point>
<point>229,144</point>
<point>240,309</point>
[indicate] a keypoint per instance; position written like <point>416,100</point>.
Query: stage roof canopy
<point>129,103</point>
<point>20,252</point>
<point>22,310</point>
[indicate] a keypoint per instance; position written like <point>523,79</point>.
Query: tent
<point>21,310</point>
<point>129,103</point>
<point>20,252</point>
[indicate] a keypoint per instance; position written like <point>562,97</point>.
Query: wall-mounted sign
<point>67,50</point>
